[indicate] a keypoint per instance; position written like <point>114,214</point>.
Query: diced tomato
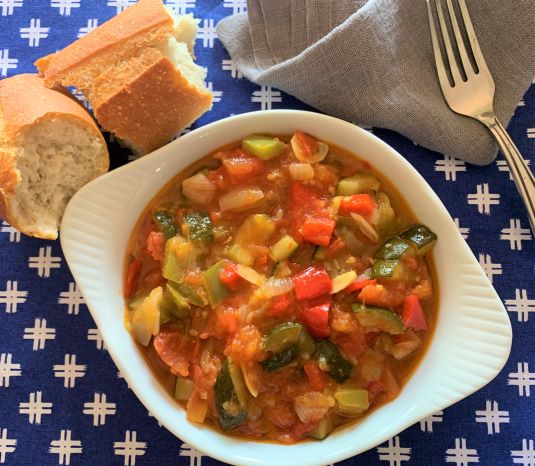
<point>315,317</point>
<point>358,203</point>
<point>171,346</point>
<point>334,247</point>
<point>156,245</point>
<point>230,277</point>
<point>309,146</point>
<point>219,177</point>
<point>242,166</point>
<point>132,276</point>
<point>261,260</point>
<point>376,387</point>
<point>381,295</point>
<point>302,201</point>
<point>311,283</point>
<point>301,429</point>
<point>153,278</point>
<point>353,344</point>
<point>279,305</point>
<point>215,215</point>
<point>413,314</point>
<point>318,230</point>
<point>315,376</point>
<point>356,286</point>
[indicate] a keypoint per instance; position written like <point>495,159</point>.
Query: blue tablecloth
<point>62,400</point>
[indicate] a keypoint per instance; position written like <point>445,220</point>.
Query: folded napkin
<point>371,62</point>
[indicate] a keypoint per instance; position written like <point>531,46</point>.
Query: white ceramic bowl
<point>471,342</point>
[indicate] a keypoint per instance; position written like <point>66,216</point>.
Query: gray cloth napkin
<point>371,62</point>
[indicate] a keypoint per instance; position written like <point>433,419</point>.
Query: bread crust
<point>155,103</point>
<point>24,102</point>
<point>145,23</point>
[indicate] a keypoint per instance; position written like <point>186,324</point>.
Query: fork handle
<point>524,179</point>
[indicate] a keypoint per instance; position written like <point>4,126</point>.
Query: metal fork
<point>473,96</point>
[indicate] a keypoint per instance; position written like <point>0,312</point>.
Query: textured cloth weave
<point>371,62</point>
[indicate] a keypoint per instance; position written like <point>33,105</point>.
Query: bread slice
<point>137,72</point>
<point>49,147</point>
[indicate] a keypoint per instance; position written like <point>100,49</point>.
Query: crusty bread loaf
<point>137,72</point>
<point>49,147</point>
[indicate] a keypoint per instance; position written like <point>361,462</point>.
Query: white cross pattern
<point>207,33</point>
<point>426,424</point>
<point>44,262</point>
<point>14,234</point>
<point>99,408</point>
<point>394,453</point>
<point>12,297</point>
<point>65,447</point>
<point>503,167</point>
<point>81,97</point>
<point>130,448</point>
<point>34,33</point>
<point>483,199</point>
<point>523,379</point>
<point>91,24</point>
<point>8,6</point>
<point>489,267</point>
<point>530,132</point>
<point>72,298</point>
<point>238,6</point>
<point>35,408</point>
<point>6,63</point>
<point>194,455</point>
<point>65,6</point>
<point>180,7</point>
<point>461,455</point>
<point>450,166</point>
<point>526,456</point>
<point>464,231</point>
<point>515,234</point>
<point>230,65</point>
<point>94,335</point>
<point>266,96</point>
<point>7,445</point>
<point>8,369</point>
<point>217,94</point>
<point>493,417</point>
<point>121,5</point>
<point>521,305</point>
<point>69,370</point>
<point>39,333</point>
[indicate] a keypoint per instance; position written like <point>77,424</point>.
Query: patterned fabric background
<point>62,400</point>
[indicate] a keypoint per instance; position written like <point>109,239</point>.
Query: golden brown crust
<point>153,106</point>
<point>145,23</point>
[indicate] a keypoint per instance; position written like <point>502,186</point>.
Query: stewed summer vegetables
<point>283,285</point>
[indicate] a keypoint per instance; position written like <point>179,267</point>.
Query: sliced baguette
<point>137,72</point>
<point>49,147</point>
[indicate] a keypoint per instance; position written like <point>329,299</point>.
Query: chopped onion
<point>199,189</point>
<point>313,406</point>
<point>317,157</point>
<point>301,171</point>
<point>240,199</point>
<point>249,274</point>
<point>364,275</point>
<point>366,229</point>
<point>277,286</point>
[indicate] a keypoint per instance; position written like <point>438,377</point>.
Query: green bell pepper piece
<point>166,223</point>
<point>199,226</point>
<point>217,291</point>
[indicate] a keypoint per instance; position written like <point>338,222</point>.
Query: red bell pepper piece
<point>315,317</point>
<point>358,203</point>
<point>318,230</point>
<point>132,276</point>
<point>356,286</point>
<point>230,277</point>
<point>302,201</point>
<point>279,305</point>
<point>311,283</point>
<point>309,146</point>
<point>315,376</point>
<point>413,314</point>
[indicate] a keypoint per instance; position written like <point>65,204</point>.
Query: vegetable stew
<point>280,287</point>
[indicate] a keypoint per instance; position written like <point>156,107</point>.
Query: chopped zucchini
<point>199,226</point>
<point>320,253</point>
<point>376,319</point>
<point>240,254</point>
<point>421,236</point>
<point>263,147</point>
<point>238,382</point>
<point>386,269</point>
<point>306,344</point>
<point>357,183</point>
<point>283,336</point>
<point>183,388</point>
<point>172,268</point>
<point>231,414</point>
<point>196,295</point>
<point>352,401</point>
<point>281,359</point>
<point>324,428</point>
<point>283,248</point>
<point>330,360</point>
<point>180,307</point>
<point>166,222</point>
<point>217,291</point>
<point>256,228</point>
<point>393,248</point>
<point>385,215</point>
<point>281,270</point>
